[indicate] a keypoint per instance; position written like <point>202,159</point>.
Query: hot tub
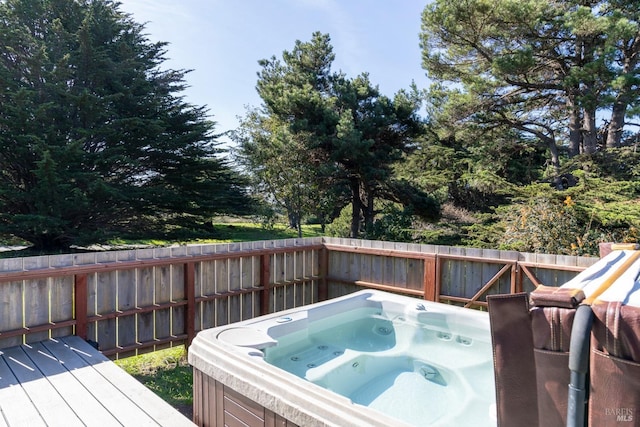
<point>370,358</point>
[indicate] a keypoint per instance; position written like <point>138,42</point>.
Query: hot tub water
<point>415,371</point>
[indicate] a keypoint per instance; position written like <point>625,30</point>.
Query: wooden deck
<point>67,382</point>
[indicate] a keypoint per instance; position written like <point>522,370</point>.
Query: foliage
<point>594,211</point>
<point>541,225</point>
<point>95,139</point>
<point>341,225</point>
<point>540,69</point>
<point>394,225</point>
<point>322,140</point>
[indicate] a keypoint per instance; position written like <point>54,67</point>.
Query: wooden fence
<point>146,299</point>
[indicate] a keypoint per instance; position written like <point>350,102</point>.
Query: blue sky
<point>222,41</point>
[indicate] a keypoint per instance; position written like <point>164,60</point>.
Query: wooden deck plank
<point>77,396</point>
<point>107,393</point>
<point>15,406</point>
<point>42,394</point>
<point>145,399</point>
<point>66,382</point>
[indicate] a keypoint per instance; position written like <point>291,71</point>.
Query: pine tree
<point>95,138</point>
<point>341,136</point>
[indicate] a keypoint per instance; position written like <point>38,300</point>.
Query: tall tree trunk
<point>624,95</point>
<point>555,161</point>
<point>368,211</point>
<point>575,135</point>
<point>356,207</point>
<point>616,125</point>
<point>589,131</point>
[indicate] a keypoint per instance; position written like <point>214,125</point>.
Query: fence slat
<point>168,294</point>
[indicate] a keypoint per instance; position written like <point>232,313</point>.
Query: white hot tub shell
<point>233,380</point>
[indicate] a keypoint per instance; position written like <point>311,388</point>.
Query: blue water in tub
<point>429,370</point>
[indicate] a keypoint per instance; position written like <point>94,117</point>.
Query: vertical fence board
<point>61,304</point>
<point>415,274</point>
<point>289,291</point>
<point>11,313</point>
<point>400,272</point>
<point>126,291</point>
<point>106,289</point>
<point>377,268</point>
<point>277,276</point>
<point>177,294</point>
<point>388,268</point>
<point>299,274</point>
<point>352,266</point>
<point>162,295</point>
<point>246,282</point>
<point>475,275</point>
<point>247,306</point>
<point>36,298</point>
<point>36,307</point>
<point>313,269</point>
<point>222,286</point>
<point>366,268</point>
<point>235,309</point>
<point>207,286</point>
<point>458,273</point>
<point>144,298</point>
<point>189,280</point>
<point>92,305</point>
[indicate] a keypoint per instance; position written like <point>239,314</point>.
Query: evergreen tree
<point>341,136</point>
<point>542,68</point>
<point>95,138</point>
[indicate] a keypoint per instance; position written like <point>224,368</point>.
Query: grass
<point>248,232</point>
<point>167,373</point>
<point>224,232</point>
<point>220,232</point>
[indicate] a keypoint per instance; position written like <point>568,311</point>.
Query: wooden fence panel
<point>105,289</point>
<point>222,287</point>
<point>162,295</point>
<point>178,314</point>
<point>415,274</point>
<point>289,276</point>
<point>36,299</point>
<point>126,295</point>
<point>36,307</point>
<point>61,307</point>
<point>136,299</point>
<point>145,331</point>
<point>234,274</point>
<point>247,282</point>
<point>207,281</point>
<point>376,263</point>
<point>11,312</point>
<point>311,269</point>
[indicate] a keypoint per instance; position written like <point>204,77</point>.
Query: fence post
<point>438,277</point>
<point>323,261</point>
<point>190,295</point>
<point>265,296</point>
<point>429,282</point>
<point>80,304</point>
<point>516,278</point>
